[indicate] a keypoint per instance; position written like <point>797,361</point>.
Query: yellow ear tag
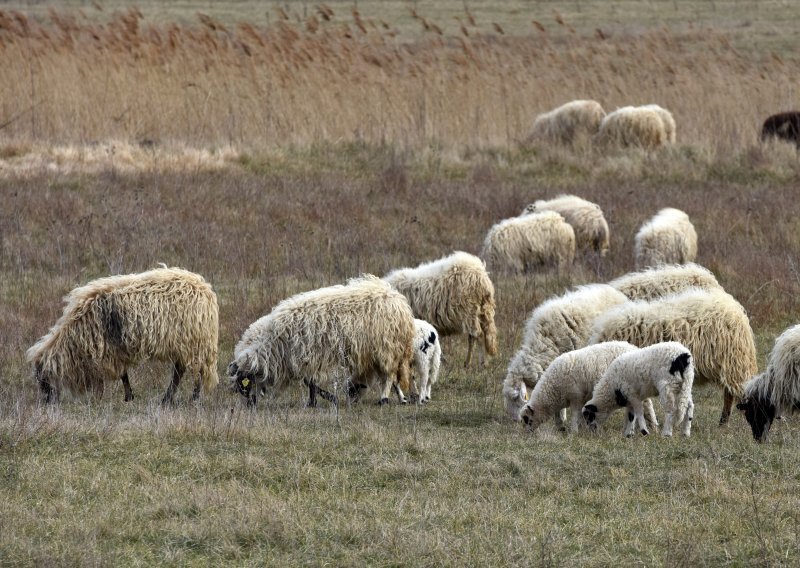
<point>245,382</point>
<point>526,396</point>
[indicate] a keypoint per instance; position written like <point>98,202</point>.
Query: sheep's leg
<point>197,384</point>
<point>177,374</point>
<point>668,400</point>
<point>401,398</point>
<point>575,408</point>
<point>727,403</point>
<point>559,420</point>
<point>638,411</point>
<point>629,422</point>
<point>312,393</point>
<point>470,345</point>
<point>386,390</point>
<point>687,419</point>
<point>650,415</point>
<point>126,384</point>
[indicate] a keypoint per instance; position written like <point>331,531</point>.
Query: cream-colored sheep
<point>568,123</point>
<point>455,295</point>
<point>635,127</point>
<point>667,118</point>
<point>661,281</point>
<point>585,217</point>
<point>522,244</point>
<point>559,325</point>
<point>111,324</point>
<point>710,323</point>
<point>667,238</point>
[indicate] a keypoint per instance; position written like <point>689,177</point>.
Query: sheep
<point>568,123</point>
<point>521,244</point>
<point>660,281</point>
<point>783,126</point>
<point>110,324</point>
<point>664,369</point>
<point>455,295</point>
<point>710,323</point>
<point>361,331</point>
<point>633,127</point>
<point>585,217</point>
<point>559,325</point>
<point>777,390</point>
<point>667,238</point>
<point>427,357</point>
<point>667,118</point>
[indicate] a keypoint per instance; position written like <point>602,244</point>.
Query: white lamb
<point>585,217</point>
<point>427,357</point>
<point>664,369</point>
<point>667,238</point>
<point>538,240</point>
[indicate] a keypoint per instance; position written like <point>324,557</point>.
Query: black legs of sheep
<point>727,404</point>
<point>126,384</point>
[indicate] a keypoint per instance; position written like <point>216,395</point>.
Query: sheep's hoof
<point>383,401</point>
<point>128,397</point>
<point>403,400</point>
<point>644,432</point>
<point>666,435</point>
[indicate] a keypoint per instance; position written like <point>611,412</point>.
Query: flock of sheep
<point>595,349</point>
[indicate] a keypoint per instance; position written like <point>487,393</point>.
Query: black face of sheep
<point>590,415</point>
<point>48,393</point>
<point>759,414</point>
<point>243,383</point>
<point>785,126</point>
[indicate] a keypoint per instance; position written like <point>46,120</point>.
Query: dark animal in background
<point>785,126</point>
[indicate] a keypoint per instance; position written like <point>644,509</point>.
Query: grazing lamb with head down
<point>660,281</point>
<point>776,391</point>
<point>783,126</point>
<point>427,357</point>
<point>111,324</point>
<point>585,217</point>
<point>455,295</point>
<point>636,127</point>
<point>663,369</point>
<point>362,330</point>
<point>568,123</point>
<point>521,244</point>
<point>710,323</point>
<point>559,325</point>
<point>667,238</point>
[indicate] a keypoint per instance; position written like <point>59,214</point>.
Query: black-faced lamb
<point>667,238</point>
<point>534,241</point>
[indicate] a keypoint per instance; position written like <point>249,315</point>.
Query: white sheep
<point>667,238</point>
<point>538,240</point>
<point>667,119</point>
<point>568,123</point>
<point>113,323</point>
<point>559,325</point>
<point>427,357</point>
<point>362,332</point>
<point>585,217</point>
<point>454,294</point>
<point>664,369</point>
<point>776,391</point>
<point>660,281</point>
<point>710,323</point>
<point>633,127</point>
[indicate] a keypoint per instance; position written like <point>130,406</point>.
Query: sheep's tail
<point>210,377</point>
<point>404,375</point>
<point>488,328</point>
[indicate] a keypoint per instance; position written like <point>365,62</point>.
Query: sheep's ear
<point>741,406</point>
<point>233,368</point>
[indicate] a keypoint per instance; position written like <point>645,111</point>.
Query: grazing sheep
<point>455,295</point>
<point>667,118</point>
<point>663,369</point>
<point>776,391</point>
<point>362,331</point>
<point>427,357</point>
<point>661,281</point>
<point>633,127</point>
<point>113,323</point>
<point>585,217</point>
<point>521,244</point>
<point>710,323</point>
<point>568,123</point>
<point>668,238</point>
<point>559,325</point>
<point>783,126</point>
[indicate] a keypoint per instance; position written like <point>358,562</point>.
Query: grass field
<point>277,176</point>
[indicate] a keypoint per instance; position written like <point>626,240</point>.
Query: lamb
<point>427,357</point>
<point>521,244</point>
<point>667,238</point>
<point>710,323</point>
<point>663,369</point>
<point>661,281</point>
<point>776,391</point>
<point>568,123</point>
<point>110,324</point>
<point>633,127</point>
<point>585,217</point>
<point>559,325</point>
<point>361,331</point>
<point>455,295</point>
<point>783,126</point>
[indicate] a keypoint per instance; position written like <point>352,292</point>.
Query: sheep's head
<point>759,413</point>
<point>593,416</point>
<point>245,382</point>
<point>45,381</point>
<point>531,418</point>
<point>515,395</point>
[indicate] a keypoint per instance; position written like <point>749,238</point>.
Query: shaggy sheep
<point>585,217</point>
<point>664,280</point>
<point>783,126</point>
<point>557,326</point>
<point>633,127</point>
<point>568,123</point>
<point>776,391</point>
<point>667,238</point>
<point>362,330</point>
<point>110,324</point>
<point>427,357</point>
<point>663,369</point>
<point>710,323</point>
<point>455,295</point>
<point>521,244</point>
<point>667,118</point>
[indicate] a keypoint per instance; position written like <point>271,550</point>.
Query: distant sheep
<point>585,217</point>
<point>710,323</point>
<point>111,324</point>
<point>783,126</point>
<point>455,295</point>
<point>776,391</point>
<point>559,325</point>
<point>663,369</point>
<point>427,357</point>
<point>633,127</point>
<point>568,123</point>
<point>522,244</point>
<point>360,332</point>
<point>667,238</point>
<point>667,119</point>
<point>664,280</point>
